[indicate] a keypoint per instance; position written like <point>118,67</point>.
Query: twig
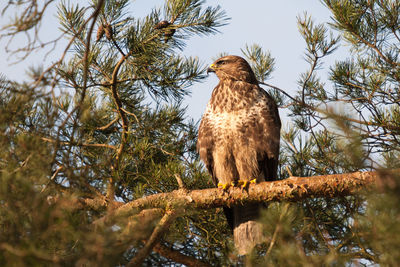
<point>102,128</point>
<point>117,46</point>
<point>288,170</point>
<point>125,123</point>
<point>130,113</point>
<point>163,225</point>
<point>175,256</point>
<point>58,63</point>
<point>23,164</point>
<point>87,51</point>
<point>118,104</point>
<point>29,251</point>
<point>78,107</point>
<point>179,180</point>
<point>310,73</point>
<point>52,177</point>
<point>277,229</point>
<point>280,90</point>
<point>368,123</point>
<point>77,144</point>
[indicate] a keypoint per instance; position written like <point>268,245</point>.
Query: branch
<point>125,122</point>
<point>291,189</point>
<point>95,14</point>
<point>77,144</point>
<point>141,226</point>
<point>178,257</point>
<point>282,91</point>
<point>154,238</point>
<point>326,112</point>
<point>180,202</point>
<point>108,125</point>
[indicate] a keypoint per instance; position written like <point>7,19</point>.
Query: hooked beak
<point>211,68</point>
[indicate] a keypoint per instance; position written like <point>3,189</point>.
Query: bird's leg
<point>224,186</point>
<point>245,184</point>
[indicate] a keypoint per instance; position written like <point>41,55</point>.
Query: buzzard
<point>239,141</point>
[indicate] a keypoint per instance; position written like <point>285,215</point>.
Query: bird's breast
<point>227,125</point>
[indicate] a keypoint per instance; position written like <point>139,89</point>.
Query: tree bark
<point>182,201</point>
<point>291,189</point>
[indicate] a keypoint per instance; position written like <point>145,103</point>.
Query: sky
<point>269,23</point>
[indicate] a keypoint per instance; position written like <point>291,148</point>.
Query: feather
<point>239,139</point>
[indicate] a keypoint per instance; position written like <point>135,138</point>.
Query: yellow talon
<point>246,183</point>
<point>238,183</point>
<point>223,186</point>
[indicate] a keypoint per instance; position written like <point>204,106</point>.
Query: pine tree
<point>104,126</point>
<point>344,124</point>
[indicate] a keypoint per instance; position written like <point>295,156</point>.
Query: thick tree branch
<point>180,202</point>
<point>291,189</point>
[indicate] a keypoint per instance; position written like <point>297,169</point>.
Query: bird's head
<point>233,68</point>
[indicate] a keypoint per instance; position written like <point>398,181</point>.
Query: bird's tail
<point>247,232</point>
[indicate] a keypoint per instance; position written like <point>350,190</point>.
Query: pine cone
<point>100,33</point>
<point>168,34</point>
<point>109,31</point>
<point>161,25</point>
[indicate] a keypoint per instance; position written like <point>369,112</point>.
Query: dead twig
<point>160,229</point>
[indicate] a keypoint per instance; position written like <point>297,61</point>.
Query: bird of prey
<point>239,141</point>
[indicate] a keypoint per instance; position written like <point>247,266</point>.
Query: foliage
<point>104,125</point>
<point>323,139</point>
<point>84,129</point>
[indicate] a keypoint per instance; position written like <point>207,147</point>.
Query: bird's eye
<point>221,62</point>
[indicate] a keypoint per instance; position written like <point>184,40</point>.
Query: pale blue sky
<point>271,24</point>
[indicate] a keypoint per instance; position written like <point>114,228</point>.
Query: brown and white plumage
<point>239,140</point>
